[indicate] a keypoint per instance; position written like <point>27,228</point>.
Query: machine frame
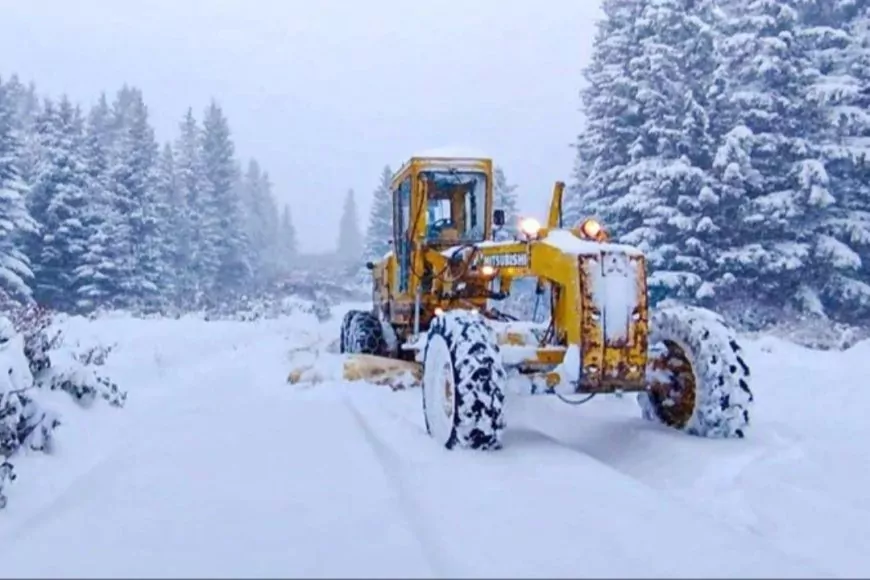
<point>442,276</point>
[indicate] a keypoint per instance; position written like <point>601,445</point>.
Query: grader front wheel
<point>463,383</point>
<point>698,379</point>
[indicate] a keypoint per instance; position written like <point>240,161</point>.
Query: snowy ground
<point>218,468</point>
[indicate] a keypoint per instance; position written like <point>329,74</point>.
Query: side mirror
<point>498,217</point>
<point>370,265</point>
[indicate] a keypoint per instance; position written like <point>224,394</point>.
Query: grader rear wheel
<point>698,379</point>
<point>362,333</point>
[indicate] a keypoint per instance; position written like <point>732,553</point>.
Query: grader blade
<point>396,374</point>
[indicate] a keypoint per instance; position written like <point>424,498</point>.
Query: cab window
<point>456,209</point>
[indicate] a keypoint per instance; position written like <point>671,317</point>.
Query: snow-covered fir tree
<point>170,213</point>
<point>25,107</point>
<point>97,274</point>
<point>272,254</point>
<point>134,164</point>
<point>780,249</point>
<point>15,221</point>
<point>575,195</point>
<point>380,226</point>
<point>835,34</point>
<point>669,173</point>
<point>727,140</point>
<point>231,245</point>
<point>288,245</point>
<point>110,220</point>
<point>505,198</point>
<point>645,153</point>
<point>200,226</point>
<point>350,239</point>
<point>57,201</point>
<point>612,113</point>
<point>262,222</point>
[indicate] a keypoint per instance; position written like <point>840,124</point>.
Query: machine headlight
<point>487,271</point>
<point>593,230</point>
<point>530,227</point>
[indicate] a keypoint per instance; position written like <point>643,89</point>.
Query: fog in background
<point>324,93</point>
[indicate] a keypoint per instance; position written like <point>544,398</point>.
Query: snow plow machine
<point>434,317</point>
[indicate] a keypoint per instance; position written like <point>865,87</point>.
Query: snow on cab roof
<point>453,152</point>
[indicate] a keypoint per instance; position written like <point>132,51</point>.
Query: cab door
<point>401,238</point>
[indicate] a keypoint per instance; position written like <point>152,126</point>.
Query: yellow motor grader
<point>434,297</point>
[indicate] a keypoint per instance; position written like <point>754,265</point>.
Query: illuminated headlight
<point>592,230</point>
<point>530,227</point>
<point>439,312</point>
<point>487,271</point>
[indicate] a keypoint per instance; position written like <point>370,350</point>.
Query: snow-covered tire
<point>463,382</point>
<point>699,381</point>
<point>365,335</point>
<point>345,324</point>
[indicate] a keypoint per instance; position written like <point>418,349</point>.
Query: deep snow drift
<point>217,467</point>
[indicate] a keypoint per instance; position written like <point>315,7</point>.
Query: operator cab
<point>456,209</point>
<point>442,202</point>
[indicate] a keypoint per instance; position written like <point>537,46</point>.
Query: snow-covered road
<point>219,468</point>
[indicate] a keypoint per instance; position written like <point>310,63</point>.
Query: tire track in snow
<point>390,464</point>
<point>482,489</point>
<point>740,466</point>
<point>198,374</point>
<point>76,490</point>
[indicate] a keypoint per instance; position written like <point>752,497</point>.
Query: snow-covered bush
<point>23,422</point>
<point>55,366</point>
<point>276,304</point>
<point>32,357</point>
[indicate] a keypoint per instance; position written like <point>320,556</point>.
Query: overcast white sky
<point>324,93</point>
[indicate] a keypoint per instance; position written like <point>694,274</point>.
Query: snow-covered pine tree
<point>170,225</point>
<point>380,227</point>
<point>200,227</point>
<point>505,198</point>
<point>219,164</point>
<point>672,157</point>
<point>273,250</point>
<point>15,221</point>
<point>644,155</point>
<point>611,112</point>
<point>288,245</point>
<point>777,237</point>
<point>250,203</point>
<point>573,210</point>
<point>350,239</point>
<point>836,32</point>
<point>25,103</point>
<point>57,201</point>
<point>262,222</point>
<point>96,277</point>
<point>135,152</point>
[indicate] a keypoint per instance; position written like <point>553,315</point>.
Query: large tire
<point>345,324</point>
<point>699,379</point>
<point>365,335</point>
<point>463,383</point>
